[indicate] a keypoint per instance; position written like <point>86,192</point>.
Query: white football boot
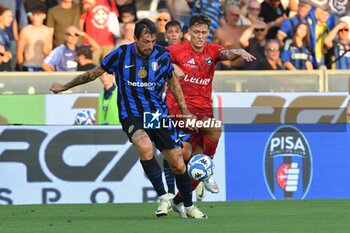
<point>211,185</point>
<point>179,208</point>
<point>164,207</point>
<point>194,212</point>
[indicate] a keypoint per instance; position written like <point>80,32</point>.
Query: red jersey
<point>96,19</point>
<point>199,68</point>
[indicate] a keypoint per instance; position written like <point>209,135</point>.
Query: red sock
<point>209,146</point>
<point>195,184</point>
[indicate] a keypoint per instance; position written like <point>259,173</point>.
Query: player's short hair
<point>199,19</point>
<point>144,26</point>
<point>38,9</point>
<point>172,23</point>
<point>84,50</point>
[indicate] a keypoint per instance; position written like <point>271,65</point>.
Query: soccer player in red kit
<point>197,59</point>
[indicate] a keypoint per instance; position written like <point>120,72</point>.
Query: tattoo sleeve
<point>177,92</point>
<point>228,55</point>
<point>85,77</point>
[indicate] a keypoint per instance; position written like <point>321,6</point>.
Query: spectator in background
<point>288,25</point>
<point>35,41</point>
<point>296,55</point>
<point>273,14</point>
<point>29,4</point>
<point>19,21</point>
<point>60,17</point>
<point>63,57</point>
<point>179,11</point>
<point>228,36</point>
<point>173,32</point>
<point>6,18</point>
<point>84,58</point>
<point>95,22</point>
<point>272,54</point>
<point>127,16</point>
<point>127,11</point>
<point>253,11</point>
<point>253,40</point>
<point>18,10</point>
<point>338,43</point>
<point>127,34</point>
<point>211,8</point>
<point>107,101</point>
<point>162,18</point>
<point>5,57</point>
<point>320,23</point>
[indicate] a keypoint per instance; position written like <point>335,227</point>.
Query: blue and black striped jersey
<point>140,80</point>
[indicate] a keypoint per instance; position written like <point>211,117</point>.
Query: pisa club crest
<point>287,164</point>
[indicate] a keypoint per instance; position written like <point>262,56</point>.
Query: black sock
<point>184,185</point>
<point>154,174</point>
<point>169,177</point>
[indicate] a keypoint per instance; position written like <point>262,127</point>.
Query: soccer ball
<point>84,117</point>
<point>200,167</point>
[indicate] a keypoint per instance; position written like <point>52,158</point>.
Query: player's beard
<point>144,52</point>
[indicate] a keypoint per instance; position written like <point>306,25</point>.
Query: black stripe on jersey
<point>162,63</point>
<point>146,64</point>
<point>160,51</point>
<point>132,78</point>
<point>115,57</point>
<point>121,82</point>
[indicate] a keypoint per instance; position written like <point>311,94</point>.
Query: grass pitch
<point>319,216</point>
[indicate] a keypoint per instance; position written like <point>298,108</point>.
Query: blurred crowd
<point>74,35</point>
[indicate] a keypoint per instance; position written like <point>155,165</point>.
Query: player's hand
<point>56,88</point>
<point>244,54</point>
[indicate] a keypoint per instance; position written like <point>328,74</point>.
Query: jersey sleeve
<point>111,61</point>
<point>170,68</point>
<point>54,57</point>
<point>216,50</point>
<point>171,49</point>
<point>285,27</point>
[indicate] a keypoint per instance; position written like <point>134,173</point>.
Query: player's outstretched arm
<point>85,77</point>
<point>232,54</point>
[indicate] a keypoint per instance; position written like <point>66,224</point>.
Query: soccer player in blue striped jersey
<point>141,70</point>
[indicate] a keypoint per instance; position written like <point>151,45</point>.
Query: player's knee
<point>146,150</point>
<point>178,168</point>
<point>176,161</point>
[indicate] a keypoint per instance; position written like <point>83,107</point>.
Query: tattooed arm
<point>86,77</point>
<point>178,94</point>
<point>180,99</point>
<point>233,54</point>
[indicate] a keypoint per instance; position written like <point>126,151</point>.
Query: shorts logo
<point>287,164</point>
<point>131,128</point>
<point>151,120</point>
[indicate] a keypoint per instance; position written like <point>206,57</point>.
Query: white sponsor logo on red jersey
<point>200,81</point>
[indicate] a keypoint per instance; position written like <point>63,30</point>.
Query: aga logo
<point>287,164</point>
